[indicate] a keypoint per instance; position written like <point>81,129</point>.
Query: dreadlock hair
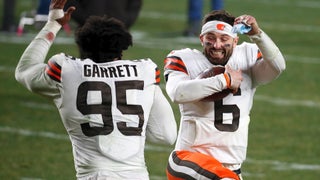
<point>102,39</point>
<point>219,15</point>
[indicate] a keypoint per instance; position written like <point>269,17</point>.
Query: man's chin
<point>218,61</point>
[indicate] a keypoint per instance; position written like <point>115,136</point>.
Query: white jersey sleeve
<point>31,69</point>
<point>273,63</point>
<point>161,128</point>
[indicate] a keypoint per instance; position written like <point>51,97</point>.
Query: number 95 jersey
<point>105,108</point>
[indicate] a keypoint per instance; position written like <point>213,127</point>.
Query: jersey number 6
<point>221,108</point>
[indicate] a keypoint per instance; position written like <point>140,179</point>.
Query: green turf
<point>284,129</point>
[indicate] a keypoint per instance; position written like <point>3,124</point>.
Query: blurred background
<point>285,121</point>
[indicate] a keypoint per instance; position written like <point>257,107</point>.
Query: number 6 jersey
<point>217,128</point>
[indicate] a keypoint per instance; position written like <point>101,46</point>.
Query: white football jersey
<point>217,128</point>
<point>105,108</point>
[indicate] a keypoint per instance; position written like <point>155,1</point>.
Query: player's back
<point>105,108</point>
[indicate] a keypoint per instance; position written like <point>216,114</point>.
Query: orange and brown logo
<point>220,27</point>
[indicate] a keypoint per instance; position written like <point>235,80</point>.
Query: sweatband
<point>55,14</point>
<point>52,27</point>
<point>219,27</point>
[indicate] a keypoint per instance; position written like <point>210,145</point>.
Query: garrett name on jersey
<point>94,70</point>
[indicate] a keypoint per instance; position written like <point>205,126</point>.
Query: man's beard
<point>219,61</point>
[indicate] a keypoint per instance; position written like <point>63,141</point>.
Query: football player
<point>218,128</point>
<point>109,106</point>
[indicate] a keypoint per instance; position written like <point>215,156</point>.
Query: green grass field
<point>285,123</point>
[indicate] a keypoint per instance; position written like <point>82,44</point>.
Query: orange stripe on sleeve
<point>175,63</point>
<point>52,75</point>
<point>53,69</point>
<point>157,76</point>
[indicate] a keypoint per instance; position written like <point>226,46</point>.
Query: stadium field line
<point>281,26</point>
<point>277,165</point>
<point>140,35</point>
<point>288,3</point>
<point>30,178</point>
<point>282,166</point>
<point>51,135</point>
<point>287,102</point>
<point>139,39</point>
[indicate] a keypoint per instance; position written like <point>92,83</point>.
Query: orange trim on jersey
<point>171,177</point>
<point>175,63</point>
<point>228,79</point>
<point>259,55</point>
<point>52,75</point>
<point>157,76</point>
<point>205,165</point>
<point>53,69</point>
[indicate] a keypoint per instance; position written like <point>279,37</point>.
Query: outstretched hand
<point>59,5</point>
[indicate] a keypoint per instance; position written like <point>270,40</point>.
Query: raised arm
<point>30,70</point>
<point>273,63</point>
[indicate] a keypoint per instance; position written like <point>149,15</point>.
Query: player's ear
<point>201,40</point>
<point>235,41</point>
